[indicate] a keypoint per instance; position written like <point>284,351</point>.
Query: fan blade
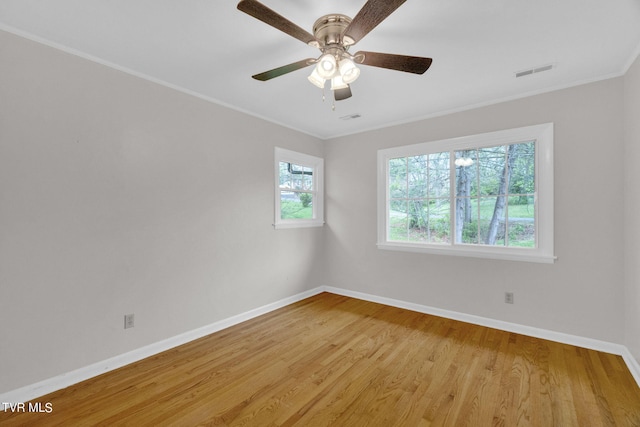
<point>371,14</point>
<point>340,94</point>
<point>268,16</point>
<point>409,64</point>
<point>277,72</point>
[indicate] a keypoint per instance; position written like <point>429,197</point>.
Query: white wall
<point>581,294</point>
<point>121,196</point>
<point>632,207</point>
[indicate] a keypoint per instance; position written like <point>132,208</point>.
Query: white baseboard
<point>50,385</point>
<point>604,346</point>
<point>632,364</point>
<point>59,382</point>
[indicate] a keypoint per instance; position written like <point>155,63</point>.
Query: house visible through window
<point>299,182</point>
<point>487,195</point>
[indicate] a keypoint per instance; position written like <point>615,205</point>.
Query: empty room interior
<point>193,232</point>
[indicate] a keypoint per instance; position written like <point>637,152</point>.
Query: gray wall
<point>632,207</point>
<point>121,196</point>
<point>581,294</point>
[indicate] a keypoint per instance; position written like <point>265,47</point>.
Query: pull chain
<point>333,103</point>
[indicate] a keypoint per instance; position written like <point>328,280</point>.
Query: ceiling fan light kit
<point>333,34</point>
<point>316,80</point>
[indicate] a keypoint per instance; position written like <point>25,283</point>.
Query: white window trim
<point>542,253</point>
<point>317,163</point>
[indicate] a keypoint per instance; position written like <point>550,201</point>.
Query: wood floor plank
<point>334,360</point>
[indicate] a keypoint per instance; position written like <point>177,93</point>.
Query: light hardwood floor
<point>334,360</point>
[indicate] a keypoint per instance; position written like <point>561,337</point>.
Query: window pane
<point>467,220</point>
<point>308,178</point>
<point>439,175</point>
<point>295,205</point>
<point>297,176</point>
<point>285,175</point>
<point>417,176</point>
<point>523,168</point>
<point>492,221</point>
<point>522,225</point>
<point>296,169</point>
<point>398,177</point>
<point>466,176</point>
<point>439,222</point>
<point>491,164</point>
<point>494,171</point>
<point>417,220</point>
<point>398,220</point>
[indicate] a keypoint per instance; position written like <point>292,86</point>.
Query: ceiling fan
<point>334,34</point>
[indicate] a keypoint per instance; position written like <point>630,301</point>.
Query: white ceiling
<point>209,48</point>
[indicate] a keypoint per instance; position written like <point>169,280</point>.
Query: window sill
<point>298,224</point>
<point>525,255</point>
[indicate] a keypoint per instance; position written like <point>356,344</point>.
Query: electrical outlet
<point>508,297</point>
<point>128,321</point>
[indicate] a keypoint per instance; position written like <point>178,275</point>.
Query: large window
<point>298,189</point>
<point>488,195</point>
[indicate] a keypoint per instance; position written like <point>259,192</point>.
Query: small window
<point>298,189</point>
<point>488,195</point>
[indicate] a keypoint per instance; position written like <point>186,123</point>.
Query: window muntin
<point>488,195</point>
<point>299,198</point>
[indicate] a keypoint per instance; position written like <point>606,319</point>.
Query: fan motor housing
<point>329,28</point>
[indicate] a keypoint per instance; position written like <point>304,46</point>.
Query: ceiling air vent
<point>534,70</point>
<point>350,117</point>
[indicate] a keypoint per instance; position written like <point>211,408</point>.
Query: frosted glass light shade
<point>315,79</point>
<point>338,83</point>
<point>348,70</point>
<point>326,67</point>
